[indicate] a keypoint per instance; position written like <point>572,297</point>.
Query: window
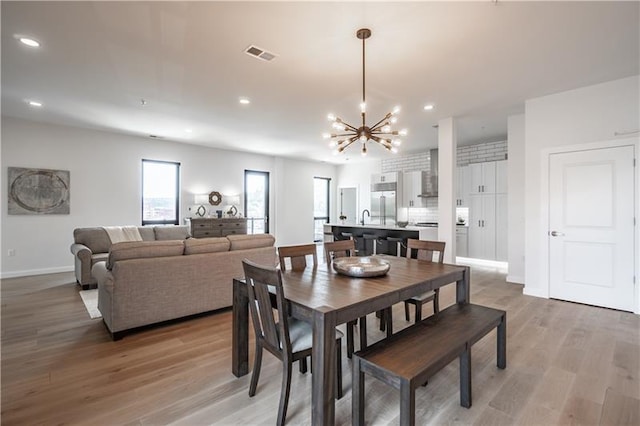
<point>256,201</point>
<point>160,192</point>
<point>320,206</point>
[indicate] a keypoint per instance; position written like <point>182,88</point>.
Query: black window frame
<point>328,216</point>
<point>250,221</point>
<point>176,220</point>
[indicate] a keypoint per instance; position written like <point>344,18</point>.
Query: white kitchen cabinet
<point>501,177</point>
<point>412,189</point>
<point>463,186</point>
<point>501,227</point>
<point>488,210</point>
<point>482,178</point>
<point>482,226</point>
<point>384,177</point>
<point>462,241</point>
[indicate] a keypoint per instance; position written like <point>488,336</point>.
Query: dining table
<point>327,299</point>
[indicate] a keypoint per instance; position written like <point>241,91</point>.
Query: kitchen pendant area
<point>405,193</point>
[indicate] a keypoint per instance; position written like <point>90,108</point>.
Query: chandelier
<point>381,132</point>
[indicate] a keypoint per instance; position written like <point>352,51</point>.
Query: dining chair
<point>340,248</point>
<point>334,250</point>
<point>425,251</point>
<point>287,338</point>
<point>297,256</point>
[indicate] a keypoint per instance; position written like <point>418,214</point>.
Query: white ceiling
<point>477,61</point>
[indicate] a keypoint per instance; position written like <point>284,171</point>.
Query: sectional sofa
<point>91,245</point>
<point>149,282</point>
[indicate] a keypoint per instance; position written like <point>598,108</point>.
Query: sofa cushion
<point>144,249</point>
<point>96,239</point>
<point>243,242</point>
<point>148,234</point>
<point>164,233</point>
<point>205,245</point>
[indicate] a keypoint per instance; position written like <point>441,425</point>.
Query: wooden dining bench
<point>407,359</point>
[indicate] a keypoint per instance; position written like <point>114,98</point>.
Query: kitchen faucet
<point>368,214</point>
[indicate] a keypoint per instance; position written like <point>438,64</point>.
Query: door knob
<point>556,234</point>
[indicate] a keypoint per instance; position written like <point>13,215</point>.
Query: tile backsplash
<point>407,163</point>
<point>481,153</point>
<point>424,214</point>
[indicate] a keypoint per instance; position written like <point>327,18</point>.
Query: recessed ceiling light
<point>245,101</point>
<point>428,107</point>
<point>35,103</point>
<point>29,42</point>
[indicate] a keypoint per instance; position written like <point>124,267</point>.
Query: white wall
<point>447,177</point>
<point>106,186</point>
<point>516,212</point>
<point>294,218</point>
<point>589,114</point>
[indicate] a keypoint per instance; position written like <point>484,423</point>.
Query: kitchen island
<point>381,233</point>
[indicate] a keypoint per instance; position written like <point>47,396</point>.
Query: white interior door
<point>591,235</point>
<point>349,205</point>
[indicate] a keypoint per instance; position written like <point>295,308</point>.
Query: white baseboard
<point>515,279</point>
<point>30,272</point>
<point>535,292</point>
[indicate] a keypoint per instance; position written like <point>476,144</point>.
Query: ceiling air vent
<point>256,52</point>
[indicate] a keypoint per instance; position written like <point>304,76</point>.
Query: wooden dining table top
<point>323,288</point>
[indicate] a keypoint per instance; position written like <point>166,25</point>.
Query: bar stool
<point>374,239</point>
<point>349,236</point>
<point>399,243</point>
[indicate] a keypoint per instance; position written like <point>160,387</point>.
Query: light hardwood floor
<point>567,364</point>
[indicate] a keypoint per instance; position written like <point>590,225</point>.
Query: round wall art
<point>38,191</point>
<point>215,198</point>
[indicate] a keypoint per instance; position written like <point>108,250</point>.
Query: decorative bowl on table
<point>402,224</point>
<point>361,266</point>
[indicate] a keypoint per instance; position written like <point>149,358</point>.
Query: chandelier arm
<point>349,126</point>
<point>374,127</point>
<point>384,144</point>
<point>352,140</point>
<point>349,141</point>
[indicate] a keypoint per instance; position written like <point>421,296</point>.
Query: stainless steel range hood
<point>430,190</point>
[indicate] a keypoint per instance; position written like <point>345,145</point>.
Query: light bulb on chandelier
<point>380,132</point>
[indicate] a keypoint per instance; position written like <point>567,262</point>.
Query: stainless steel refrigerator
<point>384,203</point>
